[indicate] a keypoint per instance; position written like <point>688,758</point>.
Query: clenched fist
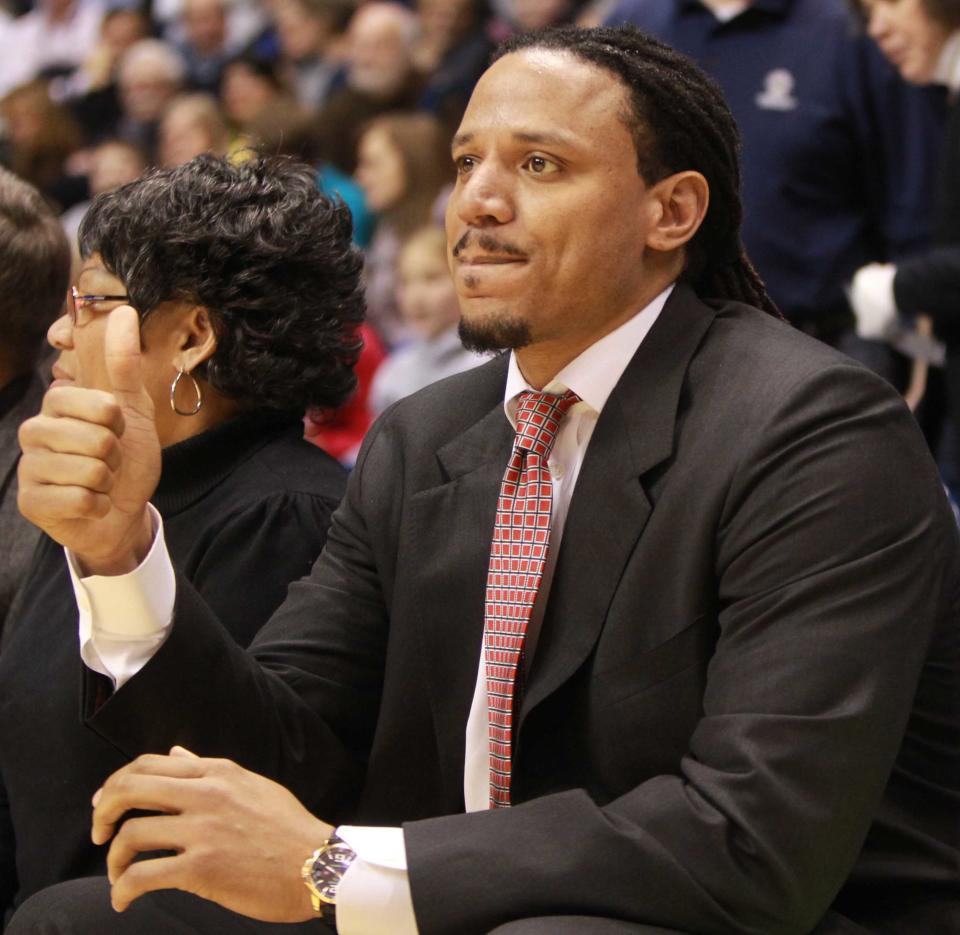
<point>91,460</point>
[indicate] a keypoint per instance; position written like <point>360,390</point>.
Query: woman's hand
<point>91,460</point>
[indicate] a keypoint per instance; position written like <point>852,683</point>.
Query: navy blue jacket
<point>837,151</point>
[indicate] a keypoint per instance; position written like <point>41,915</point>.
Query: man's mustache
<point>486,243</point>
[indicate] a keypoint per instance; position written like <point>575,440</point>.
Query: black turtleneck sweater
<point>246,507</point>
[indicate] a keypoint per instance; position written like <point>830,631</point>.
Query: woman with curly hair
<point>247,288</point>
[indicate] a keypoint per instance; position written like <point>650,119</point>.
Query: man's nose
<point>484,198</point>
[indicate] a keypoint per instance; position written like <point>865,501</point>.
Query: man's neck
<point>541,361</point>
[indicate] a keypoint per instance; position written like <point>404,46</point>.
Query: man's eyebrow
<point>522,136</point>
<point>549,139</point>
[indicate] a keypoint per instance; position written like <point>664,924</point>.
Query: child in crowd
<point>428,304</point>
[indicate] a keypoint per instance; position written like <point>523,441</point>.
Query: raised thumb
<point>122,352</point>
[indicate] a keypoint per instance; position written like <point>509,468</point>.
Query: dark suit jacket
<point>744,703</point>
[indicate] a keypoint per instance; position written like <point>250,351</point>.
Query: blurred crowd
<point>840,154</point>
<point>96,91</point>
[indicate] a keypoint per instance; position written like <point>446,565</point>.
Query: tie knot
<point>538,420</point>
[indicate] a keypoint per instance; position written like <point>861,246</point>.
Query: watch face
<point>329,868</point>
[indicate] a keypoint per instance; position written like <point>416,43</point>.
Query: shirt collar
<point>595,372</point>
<point>948,66</point>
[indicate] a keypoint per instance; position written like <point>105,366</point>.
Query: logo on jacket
<point>777,93</point>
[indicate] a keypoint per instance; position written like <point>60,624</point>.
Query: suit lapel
<point>607,514</point>
<point>610,506</point>
<point>451,563</point>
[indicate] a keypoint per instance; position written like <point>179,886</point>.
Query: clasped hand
<point>239,838</point>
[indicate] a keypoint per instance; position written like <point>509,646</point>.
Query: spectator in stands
<point>251,86</point>
<point>403,168</point>
<point>53,38</point>
<point>34,272</point>
<point>341,431</point>
<point>192,124</point>
<point>380,78</point>
<point>312,37</point>
<point>113,163</point>
<point>92,94</point>
<point>151,74</point>
<point>452,51</point>
<point>922,39</point>
<point>531,15</point>
<point>428,305</point>
<point>41,135</point>
<point>204,48</point>
<point>247,303</point>
<point>836,148</point>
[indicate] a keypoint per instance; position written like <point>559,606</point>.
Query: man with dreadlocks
<point>648,625</point>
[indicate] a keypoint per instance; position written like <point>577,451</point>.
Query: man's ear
<point>678,205</point>
<point>197,338</point>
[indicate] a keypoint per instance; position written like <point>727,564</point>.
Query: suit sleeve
<point>835,568</point>
<point>8,863</point>
<point>251,557</point>
<point>300,706</point>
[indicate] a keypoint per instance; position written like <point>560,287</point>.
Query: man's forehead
<point>544,92</point>
<point>558,71</point>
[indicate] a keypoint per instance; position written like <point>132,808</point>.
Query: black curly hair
<point>267,255</point>
<point>679,120</point>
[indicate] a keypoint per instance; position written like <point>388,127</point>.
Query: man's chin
<point>493,333</point>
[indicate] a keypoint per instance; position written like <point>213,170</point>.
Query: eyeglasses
<point>78,306</point>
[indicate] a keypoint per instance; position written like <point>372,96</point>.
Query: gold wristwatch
<point>322,872</point>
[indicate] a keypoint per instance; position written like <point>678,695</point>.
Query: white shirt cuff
<point>124,619</point>
<point>872,301</point>
<point>373,897</point>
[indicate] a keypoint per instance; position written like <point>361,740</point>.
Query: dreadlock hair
<point>679,120</point>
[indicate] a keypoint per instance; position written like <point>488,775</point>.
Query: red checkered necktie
<point>518,554</point>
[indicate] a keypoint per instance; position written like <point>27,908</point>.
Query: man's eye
<point>464,164</point>
<point>540,165</point>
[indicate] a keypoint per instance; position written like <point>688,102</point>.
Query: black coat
<point>246,509</point>
<point>757,584</point>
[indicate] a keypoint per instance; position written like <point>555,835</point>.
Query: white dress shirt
<point>374,896</point>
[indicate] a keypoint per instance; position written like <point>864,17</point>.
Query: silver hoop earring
<point>181,373</point>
